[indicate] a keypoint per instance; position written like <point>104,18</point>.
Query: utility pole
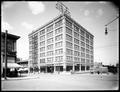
<point>6,55</point>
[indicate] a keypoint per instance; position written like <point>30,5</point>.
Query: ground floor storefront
<point>51,68</point>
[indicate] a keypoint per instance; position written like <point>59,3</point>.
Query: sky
<point>23,17</point>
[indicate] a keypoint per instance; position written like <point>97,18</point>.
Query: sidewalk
<point>28,76</point>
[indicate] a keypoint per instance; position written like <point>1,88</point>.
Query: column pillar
<point>54,68</point>
<point>80,67</point>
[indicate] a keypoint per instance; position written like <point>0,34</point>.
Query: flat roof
<point>57,18</point>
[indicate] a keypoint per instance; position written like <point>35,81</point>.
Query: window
<point>76,53</point>
<point>49,47</point>
<point>76,41</point>
<point>69,31</point>
<point>69,58</point>
<point>59,58</point>
<point>87,41</point>
<point>58,44</point>
<point>50,59</point>
<point>82,44</point>
<point>82,60</point>
<point>59,51</point>
<point>82,54</point>
<point>68,37</point>
<point>69,52</point>
<point>42,32</point>
<point>50,28</point>
<point>42,54</point>
<point>76,47</point>
<point>76,29</point>
<point>42,60</point>
<point>87,35</point>
<point>68,44</point>
<point>82,38</point>
<point>91,56</point>
<point>82,49</point>
<point>91,52</point>
<point>76,59</point>
<point>42,49</point>
<point>87,51</point>
<point>59,23</point>
<point>50,53</point>
<point>87,46</point>
<point>91,48</point>
<point>87,61</point>
<point>59,37</point>
<point>59,30</point>
<point>76,35</point>
<point>49,41</point>
<point>68,23</point>
<point>91,43</point>
<point>42,37</point>
<point>87,55</point>
<point>42,43</point>
<point>82,32</point>
<point>91,38</point>
<point>50,34</point>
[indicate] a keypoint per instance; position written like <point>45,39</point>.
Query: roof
<point>10,36</point>
<point>34,31</point>
<point>12,65</point>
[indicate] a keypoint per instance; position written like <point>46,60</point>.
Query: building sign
<point>62,8</point>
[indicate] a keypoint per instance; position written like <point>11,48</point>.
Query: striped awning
<point>12,65</point>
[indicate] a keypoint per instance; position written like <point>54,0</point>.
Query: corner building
<point>61,45</point>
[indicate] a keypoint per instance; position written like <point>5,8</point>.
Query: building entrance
<point>50,69</point>
<point>59,68</point>
<point>68,68</point>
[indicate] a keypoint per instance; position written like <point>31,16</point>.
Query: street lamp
<point>106,31</point>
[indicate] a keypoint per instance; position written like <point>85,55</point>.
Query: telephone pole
<point>6,55</point>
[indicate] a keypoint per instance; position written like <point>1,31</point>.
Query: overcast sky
<point>21,17</point>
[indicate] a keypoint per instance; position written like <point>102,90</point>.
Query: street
<point>63,82</point>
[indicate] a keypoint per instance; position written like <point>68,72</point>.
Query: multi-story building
<point>11,50</point>
<point>61,45</point>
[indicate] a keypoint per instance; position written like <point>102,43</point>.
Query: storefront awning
<point>12,65</point>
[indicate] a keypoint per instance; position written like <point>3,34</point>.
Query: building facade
<point>11,48</point>
<point>61,45</point>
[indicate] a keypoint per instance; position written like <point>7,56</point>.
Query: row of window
<point>69,44</point>
<point>42,54</point>
<point>58,44</point>
<point>59,51</point>
<point>58,24</point>
<point>59,37</point>
<point>50,59</point>
<point>50,53</point>
<point>50,34</point>
<point>59,58</point>
<point>50,28</point>
<point>59,30</point>
<point>50,47</point>
<point>49,41</point>
<point>69,52</point>
<point>42,43</point>
<point>68,58</point>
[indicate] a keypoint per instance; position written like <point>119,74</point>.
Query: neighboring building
<point>61,45</point>
<point>11,49</point>
<point>97,64</point>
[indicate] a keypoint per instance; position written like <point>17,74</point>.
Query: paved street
<point>62,82</point>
